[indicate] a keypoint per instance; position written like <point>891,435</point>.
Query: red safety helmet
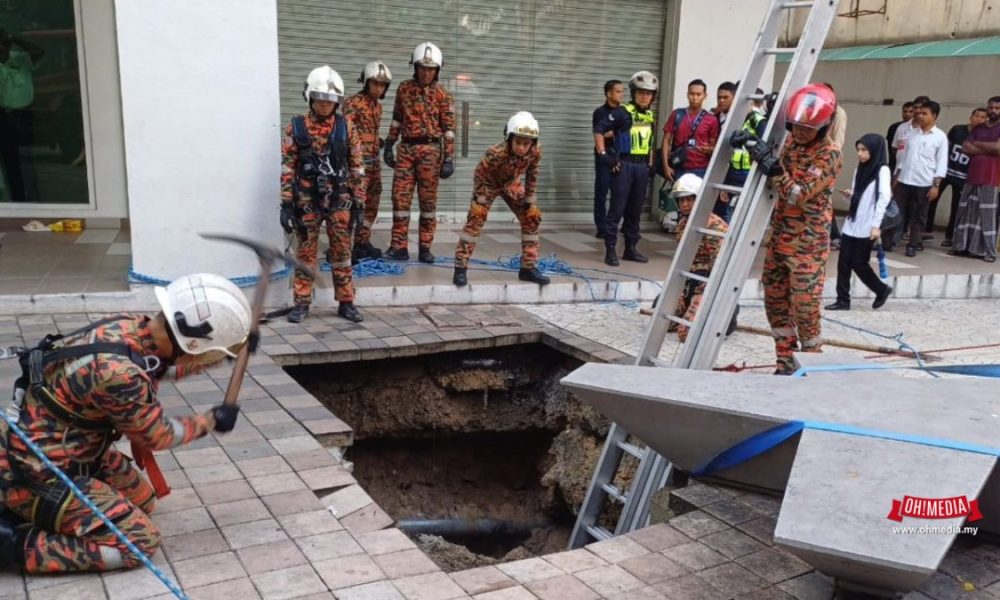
<point>812,106</point>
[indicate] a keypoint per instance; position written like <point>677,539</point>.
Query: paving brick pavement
<point>269,512</point>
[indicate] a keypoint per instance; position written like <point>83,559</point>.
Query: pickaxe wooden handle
<point>267,255</point>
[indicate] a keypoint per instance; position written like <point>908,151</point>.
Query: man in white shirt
<point>922,164</point>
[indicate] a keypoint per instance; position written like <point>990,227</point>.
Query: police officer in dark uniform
<point>631,162</point>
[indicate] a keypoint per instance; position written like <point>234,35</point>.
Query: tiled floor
<point>98,260</point>
<point>95,260</point>
<point>267,512</point>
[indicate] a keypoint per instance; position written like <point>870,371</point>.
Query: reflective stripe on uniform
<point>468,238</point>
<point>401,214</point>
<point>449,135</point>
<point>812,343</point>
<point>779,332</point>
<point>428,215</point>
<point>178,430</point>
<point>482,200</point>
<point>530,199</point>
<point>529,237</point>
<point>344,264</point>
<point>367,224</point>
<point>395,123</point>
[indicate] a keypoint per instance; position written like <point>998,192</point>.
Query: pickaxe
<point>267,255</point>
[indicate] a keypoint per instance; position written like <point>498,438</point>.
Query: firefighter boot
<point>397,254</point>
<point>533,275</point>
<point>350,312</point>
<point>299,312</point>
<point>365,252</point>
<point>425,256</point>
<point>632,253</point>
<point>610,257</point>
<point>11,543</point>
<point>460,278</point>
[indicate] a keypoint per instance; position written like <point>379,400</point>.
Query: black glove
<point>390,158</point>
<point>740,138</point>
<point>287,217</point>
<point>225,417</point>
<point>447,168</point>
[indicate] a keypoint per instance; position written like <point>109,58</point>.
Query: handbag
<point>893,217</point>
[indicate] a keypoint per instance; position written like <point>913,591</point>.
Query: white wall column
<point>199,86</point>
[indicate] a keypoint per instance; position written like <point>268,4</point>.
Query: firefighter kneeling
<point>78,394</point>
<point>499,174</point>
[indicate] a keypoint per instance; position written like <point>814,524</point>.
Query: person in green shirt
<point>18,58</point>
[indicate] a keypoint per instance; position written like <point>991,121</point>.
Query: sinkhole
<point>479,455</point>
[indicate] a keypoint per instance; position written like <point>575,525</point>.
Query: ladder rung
<point>712,232</point>
<point>776,51</point>
<point>614,492</point>
<point>657,362</point>
<point>694,276</point>
<point>632,449</point>
<point>800,4</point>
<point>680,321</point>
<point>599,533</point>
<point>728,188</point>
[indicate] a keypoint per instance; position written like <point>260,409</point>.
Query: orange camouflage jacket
<point>804,207</point>
<point>500,171</point>
<point>365,114</point>
<point>708,249</point>
<point>319,130</point>
<point>423,112</point>
<point>102,387</point>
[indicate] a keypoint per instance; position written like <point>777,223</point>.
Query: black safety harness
<point>326,171</point>
<point>51,500</point>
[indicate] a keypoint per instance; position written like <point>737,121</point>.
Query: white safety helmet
<point>522,124</point>
<point>687,185</point>
<point>376,71</point>
<point>323,83</point>
<point>427,55</point>
<point>206,313</point>
<point>643,80</point>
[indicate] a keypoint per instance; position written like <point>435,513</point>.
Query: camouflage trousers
<point>527,213</point>
<point>793,288</point>
<point>416,166</point>
<point>78,541</point>
<point>338,230</point>
<point>373,185</point>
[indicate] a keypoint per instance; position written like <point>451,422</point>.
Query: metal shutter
<point>550,57</point>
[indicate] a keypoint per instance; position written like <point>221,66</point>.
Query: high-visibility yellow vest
<point>740,160</point>
<point>641,133</point>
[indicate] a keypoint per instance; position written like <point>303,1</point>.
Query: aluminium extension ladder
<point>723,286</point>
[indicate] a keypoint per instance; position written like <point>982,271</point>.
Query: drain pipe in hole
<point>470,527</point>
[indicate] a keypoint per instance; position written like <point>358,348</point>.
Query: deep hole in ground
<point>480,456</point>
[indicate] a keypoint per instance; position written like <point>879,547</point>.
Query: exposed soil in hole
<point>474,436</point>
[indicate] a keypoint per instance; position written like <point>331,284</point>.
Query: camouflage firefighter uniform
<point>61,534</point>
<point>798,246</point>
<point>315,207</point>
<point>704,260</point>
<point>424,119</point>
<point>499,174</point>
<point>365,114</point>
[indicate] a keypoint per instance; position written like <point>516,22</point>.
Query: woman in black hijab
<point>869,197</point>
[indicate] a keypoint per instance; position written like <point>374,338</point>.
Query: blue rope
<point>764,441</point>
<point>93,508</point>
<point>550,265</point>
<point>242,281</point>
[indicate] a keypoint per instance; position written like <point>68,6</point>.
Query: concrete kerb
<point>140,297</point>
